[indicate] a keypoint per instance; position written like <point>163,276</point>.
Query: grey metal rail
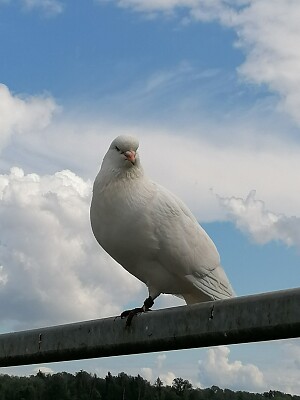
<point>262,317</point>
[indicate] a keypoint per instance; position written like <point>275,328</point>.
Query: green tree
<point>57,387</point>
<point>158,384</point>
<point>181,386</point>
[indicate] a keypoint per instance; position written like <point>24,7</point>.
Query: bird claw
<point>126,313</point>
<point>129,314</point>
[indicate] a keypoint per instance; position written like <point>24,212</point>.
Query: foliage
<point>85,386</point>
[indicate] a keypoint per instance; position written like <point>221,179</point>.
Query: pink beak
<point>130,155</point>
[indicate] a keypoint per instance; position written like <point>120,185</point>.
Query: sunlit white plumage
<point>151,233</point>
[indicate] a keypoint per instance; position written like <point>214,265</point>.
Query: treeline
<point>84,386</point>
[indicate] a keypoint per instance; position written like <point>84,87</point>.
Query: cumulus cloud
<point>285,377</point>
<point>167,378</point>
<point>268,33</point>
<point>147,373</point>
<point>252,217</point>
<point>52,270</point>
<point>151,374</point>
<point>23,114</point>
<point>217,369</point>
<point>160,360</point>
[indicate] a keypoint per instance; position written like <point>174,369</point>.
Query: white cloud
<point>52,267</point>
<point>292,353</point>
<point>190,166</point>
<point>167,378</point>
<point>21,115</point>
<point>164,79</point>
<point>151,374</point>
<point>160,360</point>
<point>268,33</point>
<point>285,376</point>
<point>3,276</point>
<point>147,373</point>
<point>162,5</point>
<point>252,217</point>
<point>217,369</point>
<point>50,7</point>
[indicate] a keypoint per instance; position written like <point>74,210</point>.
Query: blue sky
<point>210,88</point>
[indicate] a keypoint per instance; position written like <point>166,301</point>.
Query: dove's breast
<point>120,223</point>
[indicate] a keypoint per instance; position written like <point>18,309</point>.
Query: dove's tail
<point>213,286</point>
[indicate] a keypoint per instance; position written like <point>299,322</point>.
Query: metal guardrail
<point>268,316</point>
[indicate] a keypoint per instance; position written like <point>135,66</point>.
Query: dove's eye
<point>117,148</point>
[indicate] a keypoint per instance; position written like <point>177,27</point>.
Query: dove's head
<point>122,156</point>
<point>124,150</point>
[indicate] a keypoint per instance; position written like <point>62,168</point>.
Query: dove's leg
<point>148,303</point>
<point>129,314</point>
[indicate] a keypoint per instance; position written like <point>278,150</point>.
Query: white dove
<point>152,233</point>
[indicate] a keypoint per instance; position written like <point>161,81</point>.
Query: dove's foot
<point>129,314</point>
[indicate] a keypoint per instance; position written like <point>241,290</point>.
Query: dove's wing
<point>185,248</point>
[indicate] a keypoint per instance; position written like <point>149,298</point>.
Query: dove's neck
<point>110,174</point>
